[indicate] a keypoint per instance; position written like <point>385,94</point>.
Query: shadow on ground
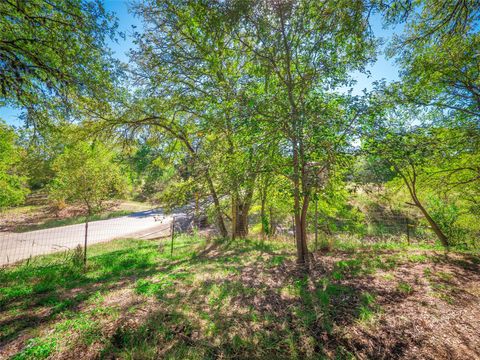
<point>244,300</point>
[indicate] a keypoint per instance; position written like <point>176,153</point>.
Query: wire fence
<point>23,247</point>
<point>391,228</point>
<point>27,246</point>
<point>373,229</point>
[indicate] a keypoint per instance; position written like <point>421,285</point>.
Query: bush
<point>446,215</point>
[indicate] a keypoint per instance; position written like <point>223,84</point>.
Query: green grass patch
<point>368,310</point>
<point>404,288</point>
<point>36,349</point>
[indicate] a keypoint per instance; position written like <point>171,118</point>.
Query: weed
<point>77,257</point>
<point>367,309</point>
<point>388,276</point>
<point>445,276</point>
<point>277,260</point>
<point>404,288</point>
<point>36,349</point>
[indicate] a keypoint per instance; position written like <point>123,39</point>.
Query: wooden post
<point>173,235</point>
<point>234,218</point>
<point>316,224</point>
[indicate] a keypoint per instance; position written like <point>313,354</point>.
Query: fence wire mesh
<point>373,229</point>
<point>27,246</point>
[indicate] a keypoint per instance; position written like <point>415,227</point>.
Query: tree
<point>410,149</point>
<point>433,18</point>
<point>454,182</point>
<point>13,187</point>
<point>53,53</point>
<point>191,71</point>
<point>304,50</point>
<point>370,169</point>
<point>440,68</point>
<point>437,53</point>
<point>86,173</point>
<point>227,80</point>
<point>39,150</point>
<point>444,74</point>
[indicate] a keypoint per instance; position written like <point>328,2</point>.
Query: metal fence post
<point>173,235</point>
<point>85,246</point>
<point>408,230</point>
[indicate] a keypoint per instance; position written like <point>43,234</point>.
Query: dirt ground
<point>39,213</point>
<point>251,301</point>
<point>428,309</point>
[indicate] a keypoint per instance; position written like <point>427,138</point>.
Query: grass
<point>404,288</point>
<point>211,299</point>
<point>442,285</point>
<point>352,243</point>
<point>198,295</point>
<point>368,309</point>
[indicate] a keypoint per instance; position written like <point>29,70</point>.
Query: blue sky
<point>382,69</point>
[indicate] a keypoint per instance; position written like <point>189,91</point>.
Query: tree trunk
<point>298,228</point>
<point>234,217</point>
<point>220,223</point>
<point>298,209</point>
<point>300,218</point>
<point>316,224</point>
<point>239,219</point>
<point>301,238</point>
<point>410,181</point>
<point>240,209</point>
<point>242,221</point>
<point>197,208</point>
<point>263,218</point>
<point>273,228</point>
<point>306,201</point>
<point>436,229</point>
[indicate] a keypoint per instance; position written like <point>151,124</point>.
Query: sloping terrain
<point>243,300</point>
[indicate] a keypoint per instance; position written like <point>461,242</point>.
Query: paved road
<point>19,246</point>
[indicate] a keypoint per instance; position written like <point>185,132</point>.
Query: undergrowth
<point>209,299</point>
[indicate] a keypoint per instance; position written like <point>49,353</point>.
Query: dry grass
<point>43,215</point>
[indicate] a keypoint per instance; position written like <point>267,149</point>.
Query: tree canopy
<point>86,173</point>
<point>243,106</point>
<point>52,54</point>
<point>12,184</point>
